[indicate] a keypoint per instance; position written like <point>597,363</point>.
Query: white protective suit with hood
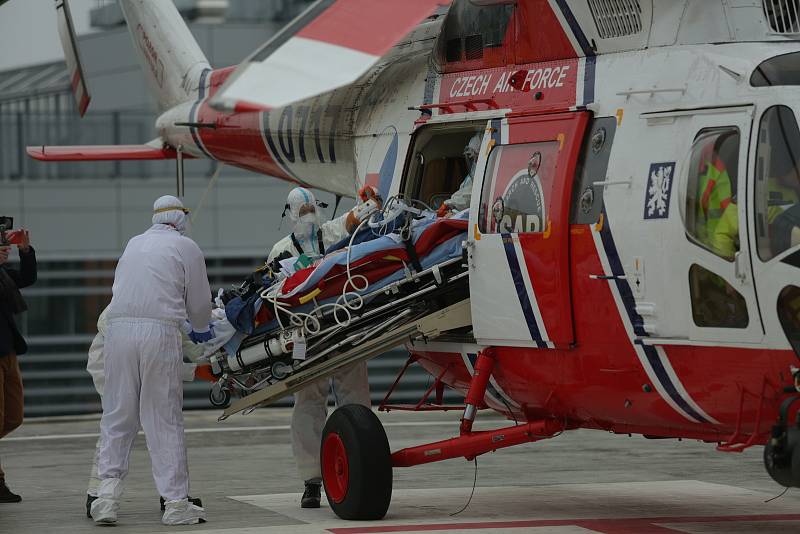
<point>350,386</point>
<point>160,279</point>
<point>194,352</point>
<point>307,230</point>
<point>460,199</point>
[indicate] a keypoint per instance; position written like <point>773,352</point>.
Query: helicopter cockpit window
<point>712,217</point>
<point>779,70</point>
<point>439,165</point>
<point>777,183</point>
<point>473,33</point>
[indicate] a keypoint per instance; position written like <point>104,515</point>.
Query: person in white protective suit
<point>160,279</point>
<point>460,199</point>
<point>349,386</point>
<point>309,235</point>
<point>194,352</point>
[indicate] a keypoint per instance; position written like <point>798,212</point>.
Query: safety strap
<point>412,255</point>
<point>297,246</point>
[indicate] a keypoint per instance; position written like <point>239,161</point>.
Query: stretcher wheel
<point>219,397</point>
<point>356,464</point>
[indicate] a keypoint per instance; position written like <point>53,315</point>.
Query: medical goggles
<point>172,208</point>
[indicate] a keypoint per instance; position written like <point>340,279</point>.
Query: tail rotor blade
<point>69,42</point>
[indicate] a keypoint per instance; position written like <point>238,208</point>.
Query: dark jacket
<point>11,340</point>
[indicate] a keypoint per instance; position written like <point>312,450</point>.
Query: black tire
<point>353,441</point>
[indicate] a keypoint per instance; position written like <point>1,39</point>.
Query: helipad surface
<point>580,482</point>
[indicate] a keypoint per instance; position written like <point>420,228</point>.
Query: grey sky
<point>28,32</point>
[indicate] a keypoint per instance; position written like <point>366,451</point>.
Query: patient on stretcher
<point>390,245</point>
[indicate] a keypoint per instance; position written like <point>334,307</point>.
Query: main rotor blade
<point>330,45</point>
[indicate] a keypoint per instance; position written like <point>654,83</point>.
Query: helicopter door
<point>712,252</point>
<point>519,228</point>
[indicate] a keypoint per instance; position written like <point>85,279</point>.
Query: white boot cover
<point>182,512</point>
<point>104,508</point>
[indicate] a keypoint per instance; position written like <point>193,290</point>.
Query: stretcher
<point>400,277</point>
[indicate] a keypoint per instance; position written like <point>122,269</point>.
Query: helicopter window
<point>777,183</point>
<point>715,303</point>
<point>438,165</point>
<point>470,32</point>
<point>712,217</point>
<point>779,70</point>
<point>512,199</point>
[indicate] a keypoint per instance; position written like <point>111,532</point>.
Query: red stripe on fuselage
<point>601,383</point>
<point>237,138</point>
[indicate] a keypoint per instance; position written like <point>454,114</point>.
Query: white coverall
<point>461,198</point>
<point>350,386</point>
<point>160,279</point>
<point>95,363</point>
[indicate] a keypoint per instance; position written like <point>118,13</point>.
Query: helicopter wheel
<point>356,464</point>
<point>219,397</point>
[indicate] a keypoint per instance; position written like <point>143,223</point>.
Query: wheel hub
<point>335,469</point>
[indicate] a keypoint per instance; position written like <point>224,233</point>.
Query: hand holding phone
<point>15,237</point>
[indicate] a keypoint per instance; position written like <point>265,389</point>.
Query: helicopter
<point>633,235</point>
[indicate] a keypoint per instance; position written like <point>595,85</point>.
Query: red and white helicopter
<point>617,138</point>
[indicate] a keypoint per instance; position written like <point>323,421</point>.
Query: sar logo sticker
<point>521,208</point>
<point>659,190</point>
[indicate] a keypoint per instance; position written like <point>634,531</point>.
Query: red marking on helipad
<point>639,525</point>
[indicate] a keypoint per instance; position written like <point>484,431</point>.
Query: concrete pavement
<point>582,481</point>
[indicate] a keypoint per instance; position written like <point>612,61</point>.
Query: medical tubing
<point>350,299</point>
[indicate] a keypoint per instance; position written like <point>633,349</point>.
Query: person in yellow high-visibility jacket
<point>714,192</point>
<point>725,240</point>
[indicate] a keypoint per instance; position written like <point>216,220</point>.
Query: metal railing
<point>58,384</point>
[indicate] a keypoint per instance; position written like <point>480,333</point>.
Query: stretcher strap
<point>412,255</point>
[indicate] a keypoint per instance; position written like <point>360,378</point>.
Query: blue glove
<point>201,337</point>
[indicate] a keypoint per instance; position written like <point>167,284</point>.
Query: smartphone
<point>14,237</point>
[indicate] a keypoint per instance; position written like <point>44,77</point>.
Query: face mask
<point>309,218</point>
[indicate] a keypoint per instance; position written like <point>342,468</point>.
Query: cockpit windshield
<point>779,70</point>
<point>777,183</point>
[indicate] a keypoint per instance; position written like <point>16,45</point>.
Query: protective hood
<point>471,151</point>
<point>169,210</point>
<point>302,200</point>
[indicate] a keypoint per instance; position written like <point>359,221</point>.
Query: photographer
<point>11,341</point>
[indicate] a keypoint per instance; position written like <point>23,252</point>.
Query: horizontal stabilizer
<point>102,153</point>
<point>329,46</point>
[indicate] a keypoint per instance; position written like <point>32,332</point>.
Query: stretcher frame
<point>430,326</point>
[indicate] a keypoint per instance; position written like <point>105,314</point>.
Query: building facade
<point>81,214</point>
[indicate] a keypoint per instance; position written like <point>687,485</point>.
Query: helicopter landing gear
<point>356,464</point>
<point>782,451</point>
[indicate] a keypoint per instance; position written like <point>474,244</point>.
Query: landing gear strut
<point>357,465</point>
